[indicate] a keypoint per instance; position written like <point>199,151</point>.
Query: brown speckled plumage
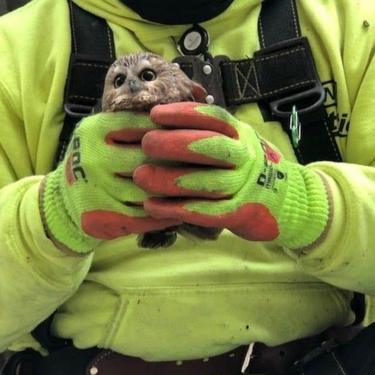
<point>170,84</point>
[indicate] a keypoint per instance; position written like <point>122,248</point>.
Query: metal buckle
<point>284,107</point>
<point>325,347</point>
<point>208,74</point>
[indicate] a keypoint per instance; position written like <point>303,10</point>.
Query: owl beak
<point>134,86</point>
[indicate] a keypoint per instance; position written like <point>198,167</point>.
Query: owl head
<point>142,80</point>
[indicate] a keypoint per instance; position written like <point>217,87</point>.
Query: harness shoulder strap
<point>281,74</point>
<point>89,61</point>
<point>278,23</point>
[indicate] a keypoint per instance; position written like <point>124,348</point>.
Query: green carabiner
<point>295,127</point>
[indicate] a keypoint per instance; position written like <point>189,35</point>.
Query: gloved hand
<point>239,181</point>
<point>91,196</point>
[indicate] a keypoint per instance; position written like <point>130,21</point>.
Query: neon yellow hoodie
<point>201,298</point>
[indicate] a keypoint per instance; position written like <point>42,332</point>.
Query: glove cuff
<point>58,221</point>
<point>306,208</point>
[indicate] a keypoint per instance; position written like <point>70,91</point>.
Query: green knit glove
<point>91,196</point>
<point>234,179</point>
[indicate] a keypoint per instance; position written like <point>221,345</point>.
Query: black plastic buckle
<point>296,58</point>
<point>305,102</point>
<point>78,110</point>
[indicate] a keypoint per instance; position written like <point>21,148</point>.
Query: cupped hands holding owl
<point>138,82</point>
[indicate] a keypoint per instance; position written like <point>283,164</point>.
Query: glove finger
<point>108,225</point>
<point>252,221</point>
<point>189,182</point>
<point>122,160</point>
<point>194,146</point>
<point>106,133</point>
<point>124,190</point>
<point>110,142</point>
<point>117,127</point>
<point>105,170</point>
<point>192,115</point>
<point>126,153</point>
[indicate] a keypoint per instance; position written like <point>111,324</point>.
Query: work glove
<point>91,196</point>
<point>229,178</point>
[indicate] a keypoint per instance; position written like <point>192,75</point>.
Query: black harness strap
<point>92,54</point>
<point>278,22</point>
<point>282,74</point>
<point>259,78</point>
<point>42,334</point>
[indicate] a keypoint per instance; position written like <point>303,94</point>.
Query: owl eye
<point>119,80</point>
<point>147,75</point>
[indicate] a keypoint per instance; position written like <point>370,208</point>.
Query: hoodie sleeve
<point>345,257</point>
<point>35,277</point>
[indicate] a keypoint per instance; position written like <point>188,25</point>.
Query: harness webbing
<point>278,22</point>
<point>281,74</point>
<point>91,55</point>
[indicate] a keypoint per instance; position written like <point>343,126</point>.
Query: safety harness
<point>280,76</point>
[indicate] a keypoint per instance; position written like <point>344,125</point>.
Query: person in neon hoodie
<point>289,258</point>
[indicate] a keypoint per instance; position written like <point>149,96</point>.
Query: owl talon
<point>156,239</point>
